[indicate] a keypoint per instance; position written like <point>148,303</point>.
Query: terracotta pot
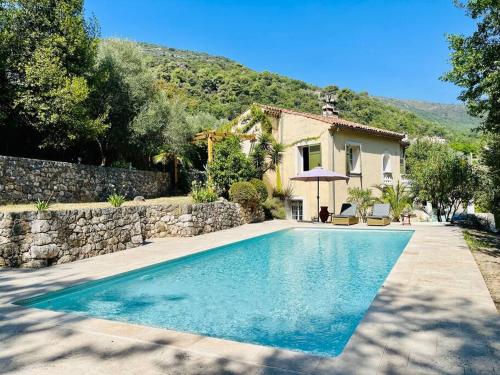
<point>324,214</point>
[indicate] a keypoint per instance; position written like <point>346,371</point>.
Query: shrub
<point>42,205</point>
<point>230,164</point>
<point>202,193</point>
<point>261,188</point>
<point>244,193</point>
<point>397,196</point>
<point>116,200</point>
<point>274,209</point>
<point>120,164</point>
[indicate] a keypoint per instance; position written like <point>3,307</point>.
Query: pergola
<point>212,136</point>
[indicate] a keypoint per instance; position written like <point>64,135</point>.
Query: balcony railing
<point>405,180</point>
<point>387,179</point>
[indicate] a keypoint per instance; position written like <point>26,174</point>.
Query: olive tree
<point>441,176</point>
<point>122,85</point>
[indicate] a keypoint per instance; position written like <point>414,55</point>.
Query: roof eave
<point>277,111</point>
<point>378,133</point>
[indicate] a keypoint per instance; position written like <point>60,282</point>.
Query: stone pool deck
<point>434,315</point>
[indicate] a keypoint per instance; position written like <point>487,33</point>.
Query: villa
<point>368,155</point>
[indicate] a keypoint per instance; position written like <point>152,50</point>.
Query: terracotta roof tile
<point>335,121</point>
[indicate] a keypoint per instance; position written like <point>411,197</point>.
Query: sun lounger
<point>380,215</point>
<point>347,215</point>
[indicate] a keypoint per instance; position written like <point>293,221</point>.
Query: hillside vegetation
<point>225,88</point>
<point>453,116</point>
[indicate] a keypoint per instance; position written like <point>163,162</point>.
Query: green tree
<point>397,196</point>
<point>230,165</point>
<point>475,68</point>
<point>47,49</point>
<point>488,196</point>
<point>203,121</point>
<point>123,85</point>
<point>161,126</point>
<point>363,199</point>
<point>475,60</point>
<point>441,176</point>
<point>5,84</point>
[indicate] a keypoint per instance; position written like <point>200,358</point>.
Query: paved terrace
<point>434,315</point>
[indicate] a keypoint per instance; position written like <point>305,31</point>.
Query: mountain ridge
<point>454,115</point>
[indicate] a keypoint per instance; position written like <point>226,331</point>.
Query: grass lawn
<point>485,247</point>
<point>71,206</point>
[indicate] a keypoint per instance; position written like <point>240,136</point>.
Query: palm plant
<point>397,196</point>
<point>362,198</point>
<point>162,158</point>
<point>265,141</point>
<point>268,155</point>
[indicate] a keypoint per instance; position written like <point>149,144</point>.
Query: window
<point>386,168</point>
<point>297,211</point>
<point>386,163</point>
<point>353,159</point>
<point>311,157</point>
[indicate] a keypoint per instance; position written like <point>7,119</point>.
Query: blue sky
<point>393,48</point>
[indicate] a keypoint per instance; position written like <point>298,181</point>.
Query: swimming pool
<point>299,289</point>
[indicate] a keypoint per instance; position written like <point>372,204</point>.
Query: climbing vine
<point>307,139</point>
<point>255,116</point>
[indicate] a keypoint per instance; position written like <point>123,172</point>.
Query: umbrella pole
<point>317,200</point>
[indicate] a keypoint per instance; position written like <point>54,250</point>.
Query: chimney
<point>328,109</point>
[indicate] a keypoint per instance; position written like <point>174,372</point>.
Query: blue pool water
<point>299,289</point>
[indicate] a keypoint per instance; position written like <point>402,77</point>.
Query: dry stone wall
<point>39,239</point>
<point>26,180</point>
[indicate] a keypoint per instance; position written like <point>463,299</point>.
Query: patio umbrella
<point>319,174</point>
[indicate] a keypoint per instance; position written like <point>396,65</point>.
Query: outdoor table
<point>406,219</point>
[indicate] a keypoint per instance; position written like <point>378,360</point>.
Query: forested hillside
<point>453,116</point>
<point>225,88</point>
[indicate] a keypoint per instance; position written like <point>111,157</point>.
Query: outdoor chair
<point>380,215</point>
<point>347,215</point>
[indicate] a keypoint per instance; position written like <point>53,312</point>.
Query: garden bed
<point>81,206</point>
<point>485,248</point>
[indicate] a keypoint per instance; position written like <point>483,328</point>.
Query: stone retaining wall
<point>39,239</point>
<point>26,180</point>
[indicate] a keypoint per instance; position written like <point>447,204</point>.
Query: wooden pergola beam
<point>221,135</point>
<point>212,136</point>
